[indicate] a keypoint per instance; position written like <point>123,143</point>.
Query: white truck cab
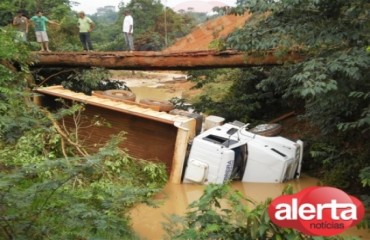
<point>230,151</point>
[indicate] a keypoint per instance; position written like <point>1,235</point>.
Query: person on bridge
<point>39,22</point>
<point>85,25</point>
<point>21,23</point>
<point>128,29</point>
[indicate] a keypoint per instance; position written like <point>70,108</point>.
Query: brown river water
<point>175,198</point>
<point>154,93</point>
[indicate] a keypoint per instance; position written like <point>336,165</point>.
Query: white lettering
<point>333,206</point>
<point>307,208</point>
<point>284,213</point>
<point>349,214</point>
<point>320,208</point>
<point>307,211</point>
<point>294,208</point>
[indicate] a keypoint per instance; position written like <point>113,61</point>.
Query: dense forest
<point>54,187</point>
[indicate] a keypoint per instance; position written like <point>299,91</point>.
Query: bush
<point>223,213</point>
<point>44,195</point>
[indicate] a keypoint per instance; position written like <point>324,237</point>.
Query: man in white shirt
<point>128,28</point>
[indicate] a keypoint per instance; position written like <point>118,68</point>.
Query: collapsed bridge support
<point>139,60</point>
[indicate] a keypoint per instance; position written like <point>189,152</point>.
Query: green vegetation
<point>223,213</point>
<point>47,196</point>
<point>62,38</point>
<point>154,26</point>
<point>232,93</point>
<point>52,186</point>
<point>78,80</point>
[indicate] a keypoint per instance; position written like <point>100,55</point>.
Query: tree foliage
<point>155,25</point>
<point>44,196</point>
<point>52,186</point>
<point>107,34</point>
<point>232,94</point>
<point>332,35</point>
<point>13,86</point>
<point>8,8</point>
<point>62,38</point>
<point>223,213</point>
<point>78,80</point>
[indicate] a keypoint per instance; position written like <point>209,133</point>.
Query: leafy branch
<point>223,213</point>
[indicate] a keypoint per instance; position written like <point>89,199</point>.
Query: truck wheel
<point>267,130</point>
<point>164,106</point>
<point>120,94</point>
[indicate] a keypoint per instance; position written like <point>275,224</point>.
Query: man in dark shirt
<point>21,23</point>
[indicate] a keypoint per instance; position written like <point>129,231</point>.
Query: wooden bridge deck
<point>139,60</point>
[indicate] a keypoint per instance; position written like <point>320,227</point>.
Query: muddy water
<point>155,93</point>
<point>176,197</point>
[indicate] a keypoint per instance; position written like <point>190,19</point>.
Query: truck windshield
<point>219,140</point>
<point>240,161</point>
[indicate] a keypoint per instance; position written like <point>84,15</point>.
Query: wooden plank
<point>101,95</point>
<point>136,110</point>
<point>184,134</point>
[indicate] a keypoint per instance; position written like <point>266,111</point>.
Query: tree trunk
<point>163,60</point>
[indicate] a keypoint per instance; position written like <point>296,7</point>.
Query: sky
<point>90,6</point>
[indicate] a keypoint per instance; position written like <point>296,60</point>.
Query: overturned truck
<point>193,151</point>
<point>230,151</point>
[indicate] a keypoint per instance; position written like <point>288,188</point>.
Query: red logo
<point>317,211</point>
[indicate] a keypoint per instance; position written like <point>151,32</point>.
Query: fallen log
<point>139,60</point>
<point>282,117</point>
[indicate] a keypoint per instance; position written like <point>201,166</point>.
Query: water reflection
<point>176,198</point>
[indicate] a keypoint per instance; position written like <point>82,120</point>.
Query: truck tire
<point>164,106</point>
<point>120,94</point>
<point>267,130</point>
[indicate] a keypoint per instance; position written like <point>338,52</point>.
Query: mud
<point>162,85</point>
<point>155,93</point>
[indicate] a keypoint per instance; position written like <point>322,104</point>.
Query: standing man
<point>39,22</point>
<point>21,23</point>
<point>128,28</point>
<point>86,25</point>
